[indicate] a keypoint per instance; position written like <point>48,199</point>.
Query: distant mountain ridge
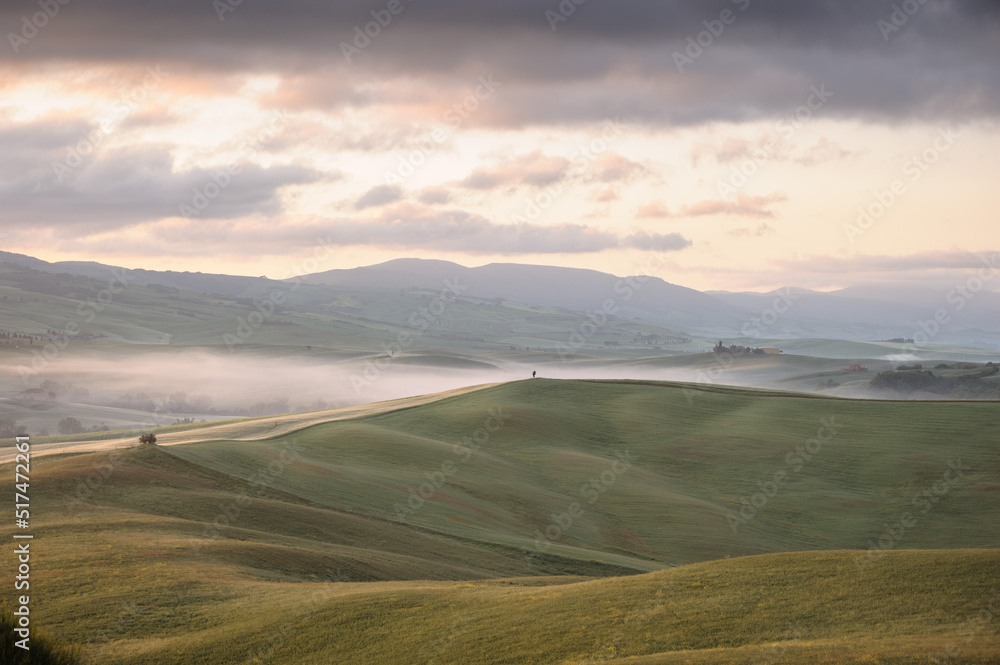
<point>861,313</point>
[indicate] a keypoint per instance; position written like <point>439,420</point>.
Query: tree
<point>70,426</point>
<point>147,439</point>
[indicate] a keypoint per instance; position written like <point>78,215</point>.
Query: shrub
<point>44,650</point>
<point>70,426</point>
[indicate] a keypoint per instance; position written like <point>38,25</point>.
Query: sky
<point>726,145</point>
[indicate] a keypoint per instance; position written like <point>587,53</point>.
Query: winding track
<point>253,429</point>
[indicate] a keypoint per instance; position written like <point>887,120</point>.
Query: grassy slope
<point>329,515</point>
<point>694,463</point>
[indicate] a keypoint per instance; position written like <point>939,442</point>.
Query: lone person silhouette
<point>532,375</point>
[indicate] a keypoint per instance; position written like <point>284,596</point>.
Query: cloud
<point>824,150</point>
<point>379,196</point>
<point>743,206</point>
<point>120,187</point>
<point>534,169</point>
<point>655,209</point>
<point>659,242</point>
<point>941,260</point>
<point>759,232</point>
<point>606,59</point>
<point>612,167</point>
<point>606,195</point>
<point>413,227</point>
<point>435,196</point>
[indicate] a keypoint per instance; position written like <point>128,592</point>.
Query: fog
<point>159,386</point>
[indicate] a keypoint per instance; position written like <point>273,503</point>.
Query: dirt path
<point>244,430</point>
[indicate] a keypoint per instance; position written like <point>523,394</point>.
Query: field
<point>536,521</point>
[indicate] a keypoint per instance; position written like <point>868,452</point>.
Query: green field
<point>537,521</point>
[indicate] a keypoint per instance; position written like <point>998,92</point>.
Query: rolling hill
<point>478,524</point>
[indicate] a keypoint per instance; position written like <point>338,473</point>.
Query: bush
<point>44,650</point>
<point>147,439</point>
<point>70,426</point>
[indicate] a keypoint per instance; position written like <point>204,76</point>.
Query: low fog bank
<point>145,388</point>
<point>157,387</point>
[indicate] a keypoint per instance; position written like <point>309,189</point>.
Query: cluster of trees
<point>966,386</point>
<point>9,428</point>
<point>74,426</point>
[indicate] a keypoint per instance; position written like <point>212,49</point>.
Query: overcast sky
<point>735,141</point>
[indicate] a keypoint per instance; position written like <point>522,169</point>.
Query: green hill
<point>465,528</point>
